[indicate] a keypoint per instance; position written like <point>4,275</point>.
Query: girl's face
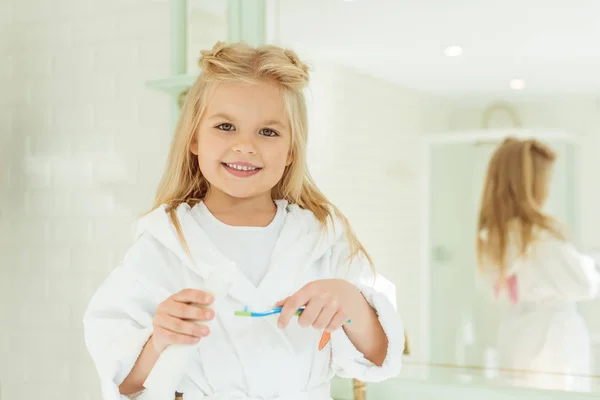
<point>243,141</point>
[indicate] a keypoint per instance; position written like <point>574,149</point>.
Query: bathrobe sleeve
<point>118,321</point>
<point>573,274</point>
<point>347,361</point>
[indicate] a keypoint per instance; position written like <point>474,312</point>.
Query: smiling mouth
<point>242,167</point>
<point>241,170</point>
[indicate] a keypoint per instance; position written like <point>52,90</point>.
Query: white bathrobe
<point>243,358</point>
<point>541,329</point>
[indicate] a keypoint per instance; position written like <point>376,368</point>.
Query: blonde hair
<point>183,182</point>
<point>515,188</point>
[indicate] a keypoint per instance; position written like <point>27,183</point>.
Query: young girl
<point>527,261</point>
<point>238,223</point>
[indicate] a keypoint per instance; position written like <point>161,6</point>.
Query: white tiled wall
<point>366,155</point>
<point>81,146</point>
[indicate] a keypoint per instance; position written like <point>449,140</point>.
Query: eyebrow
<point>230,118</point>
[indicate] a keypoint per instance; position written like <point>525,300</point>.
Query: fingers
<point>338,320</point>
<point>188,311</point>
<point>169,337</point>
<point>176,326</point>
<point>173,321</point>
<point>292,304</point>
<point>193,296</point>
<point>321,304</point>
<point>170,330</point>
<point>188,304</point>
<point>326,315</point>
<point>323,309</point>
<point>280,303</point>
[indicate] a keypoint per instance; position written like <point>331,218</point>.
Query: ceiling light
<point>517,84</point>
<point>453,51</point>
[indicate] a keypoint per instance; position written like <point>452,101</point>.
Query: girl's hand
<point>328,302</point>
<point>174,319</point>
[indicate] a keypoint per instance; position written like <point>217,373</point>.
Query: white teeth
<point>241,167</point>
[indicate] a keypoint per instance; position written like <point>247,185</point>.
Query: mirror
<point>476,326</point>
<point>207,23</point>
<point>407,102</point>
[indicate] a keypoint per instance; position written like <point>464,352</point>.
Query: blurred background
<point>407,101</point>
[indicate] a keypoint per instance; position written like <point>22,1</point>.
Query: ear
<point>194,144</point>
<point>289,160</point>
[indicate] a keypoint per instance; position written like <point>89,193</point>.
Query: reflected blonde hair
<point>183,182</point>
<point>515,188</point>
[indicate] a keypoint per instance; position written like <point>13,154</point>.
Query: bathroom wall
<point>367,156</point>
<point>81,145</point>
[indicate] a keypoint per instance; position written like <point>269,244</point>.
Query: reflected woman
<point>528,264</point>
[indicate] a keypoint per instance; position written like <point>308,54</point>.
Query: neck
<point>252,211</point>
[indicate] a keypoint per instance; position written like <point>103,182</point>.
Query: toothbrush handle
<point>273,311</point>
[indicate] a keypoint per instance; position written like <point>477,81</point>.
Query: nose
<point>244,145</point>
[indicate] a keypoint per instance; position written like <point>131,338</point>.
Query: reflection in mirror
<point>528,321</point>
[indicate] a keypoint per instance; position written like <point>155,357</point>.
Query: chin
<point>243,193</point>
<point>243,188</point>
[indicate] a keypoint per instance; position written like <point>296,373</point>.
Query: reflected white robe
<point>542,329</point>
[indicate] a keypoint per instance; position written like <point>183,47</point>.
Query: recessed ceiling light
<point>517,84</point>
<point>453,51</point>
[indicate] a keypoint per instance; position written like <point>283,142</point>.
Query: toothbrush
<point>245,313</point>
<point>276,310</point>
